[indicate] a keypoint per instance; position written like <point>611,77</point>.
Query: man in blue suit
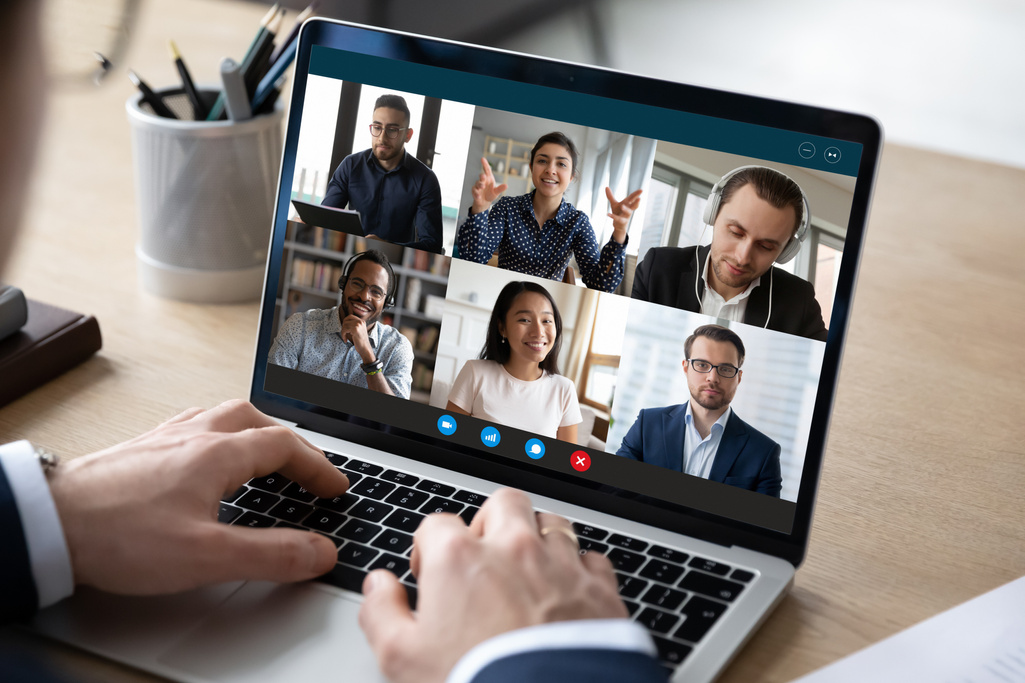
<point>704,437</point>
<point>507,599</point>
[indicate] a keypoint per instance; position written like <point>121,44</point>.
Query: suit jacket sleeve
<point>18,596</point>
<point>560,665</point>
<point>633,442</point>
<point>641,274</point>
<point>770,479</point>
<point>812,324</point>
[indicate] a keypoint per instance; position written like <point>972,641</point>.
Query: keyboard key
<point>668,554</point>
<point>359,531</point>
<point>272,482</point>
<point>369,469</point>
<point>710,566</point>
<point>439,504</point>
<point>393,541</point>
<point>712,586</point>
<point>291,511</point>
<point>625,561</point>
<point>370,510</point>
<point>357,555</point>
<point>408,498</point>
<point>631,607</point>
<point>670,652</point>
<point>666,598</point>
<point>373,488</point>
<point>409,579</point>
<point>437,488</point>
<point>699,615</point>
<point>396,565</point>
<point>627,542</point>
<point>742,575</point>
<point>593,546</point>
<point>353,477</point>
<point>289,525</point>
<point>324,521</point>
<point>403,478</point>
<point>629,586</point>
<point>588,531</point>
<point>657,570</point>
<point>254,520</point>
<point>293,490</point>
<point>258,501</point>
<point>345,577</point>
<point>338,503</point>
<point>469,497</point>
<point>336,460</point>
<point>468,513</point>
<point>234,495</point>
<point>656,621</point>
<point>404,521</point>
<point>226,514</point>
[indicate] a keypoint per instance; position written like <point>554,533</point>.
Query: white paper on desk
<point>980,641</point>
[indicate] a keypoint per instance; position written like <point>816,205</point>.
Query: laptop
<point>338,220</point>
<point>702,558</point>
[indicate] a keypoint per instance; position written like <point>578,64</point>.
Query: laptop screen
<point>631,288</point>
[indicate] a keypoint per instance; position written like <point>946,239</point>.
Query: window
<point>601,363</point>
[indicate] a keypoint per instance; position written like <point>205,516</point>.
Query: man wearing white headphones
<point>759,217</point>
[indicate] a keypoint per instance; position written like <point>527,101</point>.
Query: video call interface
<point>637,312</point>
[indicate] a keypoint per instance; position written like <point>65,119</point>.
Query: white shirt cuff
<point>44,535</point>
<point>595,634</point>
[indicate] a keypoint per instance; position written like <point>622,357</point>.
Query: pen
<point>218,109</point>
<point>277,69</point>
<point>198,110</point>
<point>235,96</point>
<point>151,98</point>
<point>255,67</point>
<point>303,16</point>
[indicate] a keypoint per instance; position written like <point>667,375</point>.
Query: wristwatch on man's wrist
<point>373,367</point>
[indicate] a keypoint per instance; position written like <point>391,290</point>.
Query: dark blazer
<point>18,597</point>
<point>668,276</point>
<point>558,666</point>
<point>746,458</point>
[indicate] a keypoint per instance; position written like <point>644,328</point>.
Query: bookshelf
<point>510,163</point>
<point>312,262</point>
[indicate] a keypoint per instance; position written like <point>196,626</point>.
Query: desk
<point>920,506</point>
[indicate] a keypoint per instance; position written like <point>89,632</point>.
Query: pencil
<point>303,16</point>
<point>151,98</point>
<point>256,65</point>
<point>198,110</point>
<point>217,111</point>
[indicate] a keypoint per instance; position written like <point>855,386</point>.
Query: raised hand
<point>485,192</point>
<point>621,211</point>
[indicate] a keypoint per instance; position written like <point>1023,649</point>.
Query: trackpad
<point>275,632</point>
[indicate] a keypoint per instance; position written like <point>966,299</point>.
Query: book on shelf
<point>422,375</point>
<point>413,289</point>
<point>409,333</point>
<point>427,338</point>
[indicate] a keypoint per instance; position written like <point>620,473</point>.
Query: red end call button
<point>580,461</point>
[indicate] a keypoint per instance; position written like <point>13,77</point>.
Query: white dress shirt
<point>714,305</point>
<point>698,453</point>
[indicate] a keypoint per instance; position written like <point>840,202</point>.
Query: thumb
<point>385,613</point>
<point>283,555</point>
<point>501,188</point>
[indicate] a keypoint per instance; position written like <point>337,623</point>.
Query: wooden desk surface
<point>920,506</point>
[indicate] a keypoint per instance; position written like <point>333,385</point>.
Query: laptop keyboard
<point>677,596</point>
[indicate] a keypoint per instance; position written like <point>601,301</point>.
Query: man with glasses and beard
<point>704,437</point>
<point>397,196</point>
<point>349,343</point>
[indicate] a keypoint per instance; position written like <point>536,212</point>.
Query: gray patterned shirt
<point>311,341</point>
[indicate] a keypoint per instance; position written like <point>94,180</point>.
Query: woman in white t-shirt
<point>516,381</point>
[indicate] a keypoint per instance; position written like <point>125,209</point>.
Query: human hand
<point>621,211</point>
<point>484,190</point>
<point>497,575</point>
<point>354,330</point>
<point>141,517</point>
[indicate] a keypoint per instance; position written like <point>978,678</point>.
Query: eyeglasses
<point>725,370</point>
<point>390,132</point>
<point>376,293</point>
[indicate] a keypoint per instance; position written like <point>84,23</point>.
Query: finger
<point>612,199</point>
<point>284,555</point>
<point>505,510</point>
<point>431,537</point>
<point>183,416</point>
<point>385,616</point>
<point>557,531</point>
<point>237,415</point>
<point>501,188</point>
<point>258,452</point>
<point>597,564</point>
<point>487,174</point>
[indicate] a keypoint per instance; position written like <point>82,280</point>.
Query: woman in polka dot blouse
<point>535,233</point>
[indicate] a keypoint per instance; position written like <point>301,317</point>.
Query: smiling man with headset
<point>349,343</point>
<point>759,217</point>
